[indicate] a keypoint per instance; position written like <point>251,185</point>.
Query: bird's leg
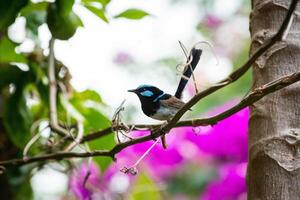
<point>152,135</point>
<point>163,137</point>
<point>164,141</point>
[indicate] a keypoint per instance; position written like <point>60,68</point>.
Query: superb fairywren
<point>160,105</point>
<point>157,104</point>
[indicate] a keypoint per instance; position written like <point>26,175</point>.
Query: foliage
<point>24,102</point>
<point>8,54</point>
<point>24,93</point>
<point>9,11</point>
<point>132,14</point>
<point>145,188</point>
<point>62,21</point>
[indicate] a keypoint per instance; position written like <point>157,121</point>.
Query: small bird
<point>159,105</point>
<point>156,103</point>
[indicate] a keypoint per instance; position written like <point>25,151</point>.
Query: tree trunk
<point>274,127</point>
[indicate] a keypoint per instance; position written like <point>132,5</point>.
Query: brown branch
<point>230,79</point>
<point>54,156</point>
<point>238,73</point>
<point>109,130</point>
<point>52,84</point>
<point>252,97</point>
<point>53,92</point>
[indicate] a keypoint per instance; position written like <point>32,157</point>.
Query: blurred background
<point>118,45</point>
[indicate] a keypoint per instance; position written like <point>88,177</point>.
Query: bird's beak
<point>133,90</point>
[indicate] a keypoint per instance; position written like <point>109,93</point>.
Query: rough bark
<point>274,127</point>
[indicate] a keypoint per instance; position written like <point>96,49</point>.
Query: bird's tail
<point>195,56</point>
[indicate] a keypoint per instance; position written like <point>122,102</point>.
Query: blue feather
<point>147,93</point>
<point>144,86</point>
<point>160,96</point>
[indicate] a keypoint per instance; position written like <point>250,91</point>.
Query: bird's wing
<point>172,102</point>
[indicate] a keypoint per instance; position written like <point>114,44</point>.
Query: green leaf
<point>98,12</point>
<point>19,181</point>
<point>24,190</point>
<point>17,117</point>
<point>106,142</point>
<point>145,188</point>
<point>41,81</point>
<point>64,6</point>
<point>34,7</point>
<point>89,104</point>
<point>88,95</point>
<point>35,14</point>
<point>62,27</point>
<point>9,10</point>
<point>102,2</point>
<point>8,53</point>
<point>132,14</point>
<point>9,74</point>
<point>33,21</point>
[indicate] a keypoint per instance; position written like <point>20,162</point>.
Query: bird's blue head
<point>147,92</point>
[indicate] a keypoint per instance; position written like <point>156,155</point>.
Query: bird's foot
<point>152,133</point>
<point>159,128</point>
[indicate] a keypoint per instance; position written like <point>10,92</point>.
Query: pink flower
<point>85,180</point>
<point>122,58</point>
<point>159,161</point>
<point>211,21</point>
<point>231,184</point>
<point>227,140</point>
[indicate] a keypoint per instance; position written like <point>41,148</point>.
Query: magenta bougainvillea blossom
<point>227,140</point>
<point>211,21</point>
<point>122,58</point>
<point>85,180</point>
<point>229,185</point>
<point>158,158</point>
<point>222,146</point>
<point>87,183</point>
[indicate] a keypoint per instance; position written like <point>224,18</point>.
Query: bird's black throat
<point>151,105</point>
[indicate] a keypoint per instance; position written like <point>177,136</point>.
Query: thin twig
<point>133,169</point>
<point>52,84</point>
<point>53,92</point>
<point>116,120</point>
<point>210,47</point>
<point>183,49</point>
<point>78,137</point>
<point>54,156</point>
<point>30,143</point>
